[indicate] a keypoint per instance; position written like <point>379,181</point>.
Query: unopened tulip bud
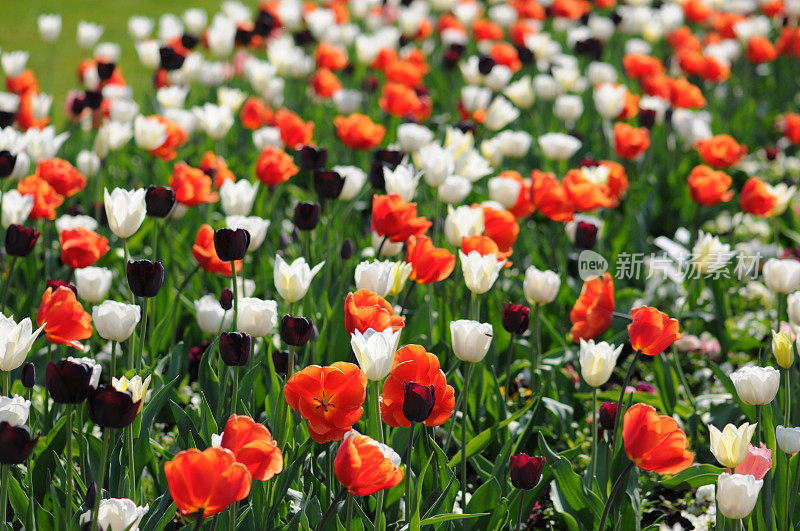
<point>418,401</point>
<point>737,494</point>
<point>607,417</point>
<point>471,339</point>
<point>145,278</point>
<point>280,360</point>
<point>757,386</point>
<point>231,244</point>
<point>306,216</point>
<point>597,361</point>
<point>159,201</point>
<point>91,495</point>
<point>328,184</point>
<point>235,348</point>
<point>347,249</point>
<point>296,331</point>
<point>526,471</point>
<point>28,375</point>
<point>226,299</point>
<point>515,318</point>
<point>788,439</point>
<point>540,287</point>
<point>782,349</point>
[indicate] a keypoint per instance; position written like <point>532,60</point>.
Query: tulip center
<point>324,402</point>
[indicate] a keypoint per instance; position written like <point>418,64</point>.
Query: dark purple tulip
<point>226,299</point>
<point>68,381</point>
<point>94,98</point>
<point>7,119</point>
<point>91,495</point>
<point>306,215</point>
<point>231,244</point>
<point>418,401</point>
<point>328,184</point>
<point>55,284</point>
<point>145,278</point>
<point>159,201</point>
<point>243,36</point>
<point>170,59</point>
<point>526,470</point>
<point>235,348</point>
<point>646,387</point>
<point>516,317</point>
<point>7,162</point>
<point>20,240</point>
<point>105,70</point>
<point>189,41</point>
<point>485,64</point>
<point>296,331</point>
<point>109,408</point>
<point>525,54</point>
<point>585,235</point>
<point>313,157</point>
<point>16,443</point>
<point>607,416</point>
<point>264,24</point>
<point>347,249</point>
<point>280,360</point>
<point>381,158</point>
<point>28,375</point>
<point>647,118</point>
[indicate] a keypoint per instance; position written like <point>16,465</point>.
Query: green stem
<point>349,512</point>
<point>625,383</point>
<point>465,423</point>
<point>594,434</point>
<point>69,467</point>
<point>234,515</point>
<point>329,512</point>
<point>142,335</point>
<point>101,478</point>
<point>131,462</point>
<point>536,343</point>
<point>199,522</point>
<point>614,489</point>
<point>6,383</point>
<point>684,382</point>
<point>114,347</point>
<point>235,390</point>
<point>508,365</point>
<point>409,480</point>
<point>519,514</point>
<point>4,470</point>
<point>379,426</point>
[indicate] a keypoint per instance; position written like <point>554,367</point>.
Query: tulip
<point>292,280</point>
<point>254,225</point>
<point>115,321</point>
<point>125,210</point>
<point>136,386</point>
<point>69,380</point>
<point>237,197</point>
<point>782,349</point>
<point>461,222</point>
<point>226,300</point>
<point>49,27</point>
<point>20,240</point>
<point>235,348</point>
<point>306,216</point>
<point>88,163</point>
<point>540,287</point>
<point>516,318</point>
<point>375,276</point>
<point>782,276</point>
<point>257,317</point>
<point>354,179</point>
<point>730,445</point>
<point>14,410</point>
<point>375,351</point>
<point>280,360</point>
<point>231,244</point>
<point>328,183</point>
<point>159,201</point>
<point>116,513</point>
<point>110,408</point>
<point>525,470</point>
<point>597,361</point>
<point>418,401</point>
<point>210,315</point>
<point>651,331</point>
<point>607,417</point>
<point>93,283</point>
<point>558,146</point>
<point>28,375</point>
<point>145,278</point>
<point>793,308</point>
<point>757,463</point>
<point>756,386</point>
<point>313,157</point>
<point>470,339</point>
<point>583,232</point>
<point>15,208</point>
<point>709,254</point>
<point>365,466</point>
<point>788,439</point>
<point>480,272</point>
<point>16,340</point>
<point>16,444</point>
<point>737,494</point>
<point>296,331</point>
<point>253,446</point>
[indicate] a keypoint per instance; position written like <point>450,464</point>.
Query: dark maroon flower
<point>189,41</point>
<point>328,184</point>
<point>105,70</point>
<point>145,278</point>
<point>7,162</point>
<point>383,158</point>
<point>170,59</point>
<point>231,244</point>
<point>7,119</point>
<point>110,408</point>
<point>485,64</point>
<point>68,382</point>
<point>607,417</point>
<point>516,317</point>
<point>418,401</point>
<point>93,98</point>
<point>226,299</point>
<point>55,284</point>
<point>526,470</point>
<point>296,331</point>
<point>264,24</point>
<point>585,235</point>
<point>646,387</point>
<point>91,495</point>
<point>159,201</point>
<point>16,443</point>
<point>306,215</point>
<point>313,157</point>
<point>347,249</point>
<point>280,360</point>
<point>235,348</point>
<point>243,36</point>
<point>647,118</point>
<point>20,240</point>
<point>28,375</point>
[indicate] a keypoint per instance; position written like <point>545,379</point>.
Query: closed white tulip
<point>49,27</point>
<point>375,351</point>
<point>737,494</point>
<point>558,146</point>
<point>609,100</point>
<point>454,189</point>
<point>257,317</point>
<point>462,222</point>
<point>148,132</point>
<point>125,210</point>
<point>14,410</point>
<point>88,34</point>
<point>782,276</point>
<point>413,136</point>
<point>88,163</point>
<point>788,439</point>
<point>354,179</point>
<point>540,287</point>
<point>237,197</point>
<point>756,386</point>
<point>376,276</point>
<point>793,308</point>
<point>437,164</point>
<point>16,340</point>
<point>117,513</point>
<point>598,361</point>
<point>16,208</point>
<point>93,283</point>
<point>210,314</point>
<point>292,280</point>
<point>730,445</point>
<point>504,190</point>
<point>115,321</point>
<point>470,339</point>
<point>480,272</point>
<point>500,113</point>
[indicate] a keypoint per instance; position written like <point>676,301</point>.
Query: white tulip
<point>257,317</point>
<point>354,179</point>
<point>148,132</point>
<point>231,98</point>
<point>709,254</point>
<point>16,208</point>
<point>504,190</point>
<point>609,100</point>
<point>788,439</point>
<point>88,34</point>
<point>402,181</point>
<point>597,361</point>
<point>140,28</point>
<point>16,340</point>
<point>49,27</point>
<point>238,197</point>
<point>93,283</point>
<point>514,143</point>
<point>210,315</point>
<point>14,410</point>
<point>521,93</point>
<point>42,143</point>
<point>116,321</point>
<point>148,54</point>
<point>117,514</point>
<point>125,210</point>
<point>387,247</point>
<point>470,339</point>
<point>540,287</point>
<point>461,222</point>
<point>67,222</point>
<point>500,113</point>
<point>268,137</point>
<point>454,190</point>
<point>375,276</point>
<point>88,163</point>
<point>13,63</point>
<point>375,351</point>
<point>214,120</point>
<point>730,445</point>
<point>756,386</point>
<point>480,272</point>
<point>568,107</point>
<point>292,280</point>
<point>784,194</point>
<point>558,146</point>
<point>782,276</point>
<point>195,20</point>
<point>437,164</point>
<point>256,226</point>
<point>737,494</point>
<point>135,385</point>
<point>793,308</point>
<point>413,137</point>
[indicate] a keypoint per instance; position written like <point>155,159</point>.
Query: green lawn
<point>56,64</point>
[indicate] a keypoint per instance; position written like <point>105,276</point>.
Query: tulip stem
<point>379,427</point>
<point>4,469</point>
<point>142,335</point>
<point>508,366</point>
<point>349,512</point>
<point>131,461</point>
<point>69,468</point>
<point>449,437</point>
<point>787,421</point>
<point>614,489</point>
<point>327,515</point>
<point>101,478</point>
<point>199,522</point>
<point>235,390</point>
<point>536,342</point>
<point>114,346</point>
<point>788,405</point>
<point>409,479</point>
<point>7,383</point>
<point>10,276</point>
<point>234,515</point>
<point>465,423</point>
<point>625,383</point>
<point>235,295</point>
<point>594,434</point>
<point>519,514</point>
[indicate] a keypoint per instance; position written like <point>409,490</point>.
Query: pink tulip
<point>757,463</point>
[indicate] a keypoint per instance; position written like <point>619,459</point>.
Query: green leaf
<point>695,476</point>
<point>446,517</point>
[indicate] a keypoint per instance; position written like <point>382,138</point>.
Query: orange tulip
<point>192,186</point>
<point>64,319</point>
<point>358,131</point>
<point>721,151</point>
<point>654,442</point>
<point>685,95</point>
<point>585,193</point>
<point>329,56</point>
<point>329,398</point>
<point>505,54</point>
<point>484,245</point>
<point>45,198</point>
<point>756,198</point>
<point>24,82</point>
<point>207,481</point>
<point>550,198</point>
<point>253,446</point>
<point>216,168</point>
<point>176,137</point>
<point>254,114</point>
<point>593,311</point>
<point>364,466</point>
<point>399,100</point>
<point>394,218</point>
<point>61,175</point>
<point>760,50</point>
<point>413,364</point>
<point>501,226</point>
<point>81,247</point>
<point>630,142</point>
<point>617,181</point>
<point>789,125</point>
<point>428,263</point>
<point>206,255</point>
<point>652,331</point>
<point>639,66</point>
<point>709,187</point>
<point>365,309</point>
<point>275,166</point>
<point>295,133</point>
